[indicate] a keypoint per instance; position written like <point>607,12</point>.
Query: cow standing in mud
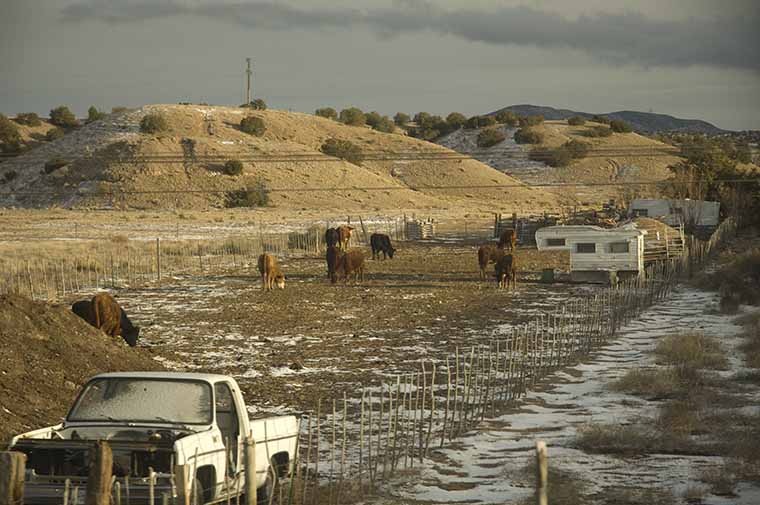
<point>350,263</point>
<point>103,312</point>
<point>381,243</point>
<point>488,254</point>
<point>332,256</point>
<point>270,273</point>
<point>506,271</point>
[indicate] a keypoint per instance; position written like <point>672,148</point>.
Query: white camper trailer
<point>595,252</point>
<point>693,213</point>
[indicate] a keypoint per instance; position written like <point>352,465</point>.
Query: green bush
<point>560,156</point>
<point>343,149</point>
<point>253,125</point>
<point>455,120</point>
<point>598,131</point>
<point>385,125</point>
<point>233,167</point>
<point>327,112</point>
<point>256,195</point>
<point>153,123</point>
<point>490,137</point>
<point>63,117</point>
<point>352,116</point>
<point>54,164</point>
<point>576,121</point>
<point>93,114</point>
<point>28,119</point>
<point>507,117</point>
<point>524,121</point>
<point>600,119</point>
<point>480,122</point>
<point>528,136</point>
<point>620,126</point>
<point>10,138</point>
<point>401,119</point>
<point>54,134</point>
<point>257,104</point>
<point>577,149</point>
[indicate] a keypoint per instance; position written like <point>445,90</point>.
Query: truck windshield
<point>144,400</point>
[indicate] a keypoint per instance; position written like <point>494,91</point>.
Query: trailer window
<point>555,242</point>
<point>619,247</point>
<point>588,247</point>
<point>641,212</point>
<point>144,400</point>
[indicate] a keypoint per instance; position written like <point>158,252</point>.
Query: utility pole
<point>248,73</point>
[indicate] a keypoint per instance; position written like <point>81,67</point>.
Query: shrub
<point>576,121</point>
<point>379,122</point>
<point>558,157</point>
<point>9,135</point>
<point>118,109</point>
<point>54,164</point>
<point>253,125</point>
<point>535,120</point>
<point>620,126</point>
<point>577,149</point>
<point>600,119</point>
<point>528,136</point>
<point>54,134</point>
<point>507,117</point>
<point>615,438</point>
<point>257,104</point>
<point>598,131</point>
<point>691,349</point>
<point>401,119</point>
<point>490,137</point>
<point>327,112</point>
<point>63,117</point>
<point>9,175</point>
<point>28,119</point>
<point>233,167</point>
<point>480,122</point>
<point>455,120</point>
<point>256,195</point>
<point>343,149</point>
<point>153,123</point>
<point>352,116</point>
<point>93,114</point>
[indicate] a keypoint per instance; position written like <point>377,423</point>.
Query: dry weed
<point>693,350</point>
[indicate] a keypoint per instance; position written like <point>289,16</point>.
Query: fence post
<point>12,465</point>
<point>158,259</point>
<point>99,479</point>
<point>542,473</point>
<point>250,471</point>
<point>181,473</point>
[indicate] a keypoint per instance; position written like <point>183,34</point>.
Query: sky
<point>688,58</point>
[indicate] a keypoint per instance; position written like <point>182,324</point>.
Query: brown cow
<point>508,240</point>
<point>344,235</point>
<point>352,262</point>
<point>488,254</point>
<point>103,312</point>
<point>332,257</point>
<point>506,271</point>
<point>270,273</point>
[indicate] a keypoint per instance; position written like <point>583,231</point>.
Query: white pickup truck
<point>153,421</point>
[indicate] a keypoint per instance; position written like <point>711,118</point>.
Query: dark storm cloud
<point>729,41</point>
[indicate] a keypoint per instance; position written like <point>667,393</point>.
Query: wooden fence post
<point>12,465</point>
<point>99,479</point>
<point>542,473</point>
<point>181,473</point>
<point>250,471</point>
<point>158,259</point>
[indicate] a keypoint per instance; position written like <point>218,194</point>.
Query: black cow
<point>101,313</point>
<point>332,257</point>
<point>381,243</point>
<point>332,237</point>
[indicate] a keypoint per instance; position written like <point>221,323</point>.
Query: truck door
<point>228,422</point>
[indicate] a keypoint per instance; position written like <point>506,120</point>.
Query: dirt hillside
<point>112,155</point>
<point>48,353</point>
<point>620,158</point>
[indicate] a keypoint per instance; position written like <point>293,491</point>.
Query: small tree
<point>455,120</point>
<point>507,117</point>
<point>352,116</point>
<point>233,167</point>
<point>10,138</point>
<point>256,195</point>
<point>530,120</point>
<point>599,131</point>
<point>253,125</point>
<point>28,119</point>
<point>577,149</point>
<point>63,117</point>
<point>528,136</point>
<point>342,149</point>
<point>327,112</point>
<point>372,118</point>
<point>423,119</point>
<point>490,137</point>
<point>576,121</point>
<point>401,119</point>
<point>384,124</point>
<point>153,123</point>
<point>600,119</point>
<point>54,134</point>
<point>620,126</point>
<point>93,114</point>
<point>257,104</point>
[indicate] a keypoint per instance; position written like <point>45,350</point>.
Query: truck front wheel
<point>264,492</point>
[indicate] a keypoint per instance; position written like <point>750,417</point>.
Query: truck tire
<point>264,492</point>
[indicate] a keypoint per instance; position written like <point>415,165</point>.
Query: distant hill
<point>643,122</point>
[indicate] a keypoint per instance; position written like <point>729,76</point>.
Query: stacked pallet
<point>662,242</point>
<point>420,230</point>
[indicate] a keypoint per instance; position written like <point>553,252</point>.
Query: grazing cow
<point>344,234</point>
<point>332,256</point>
<point>103,312</point>
<point>270,273</point>
<point>506,271</point>
<point>488,254</point>
<point>381,243</point>
<point>352,262</point>
<point>508,240</point>
<point>332,237</point>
